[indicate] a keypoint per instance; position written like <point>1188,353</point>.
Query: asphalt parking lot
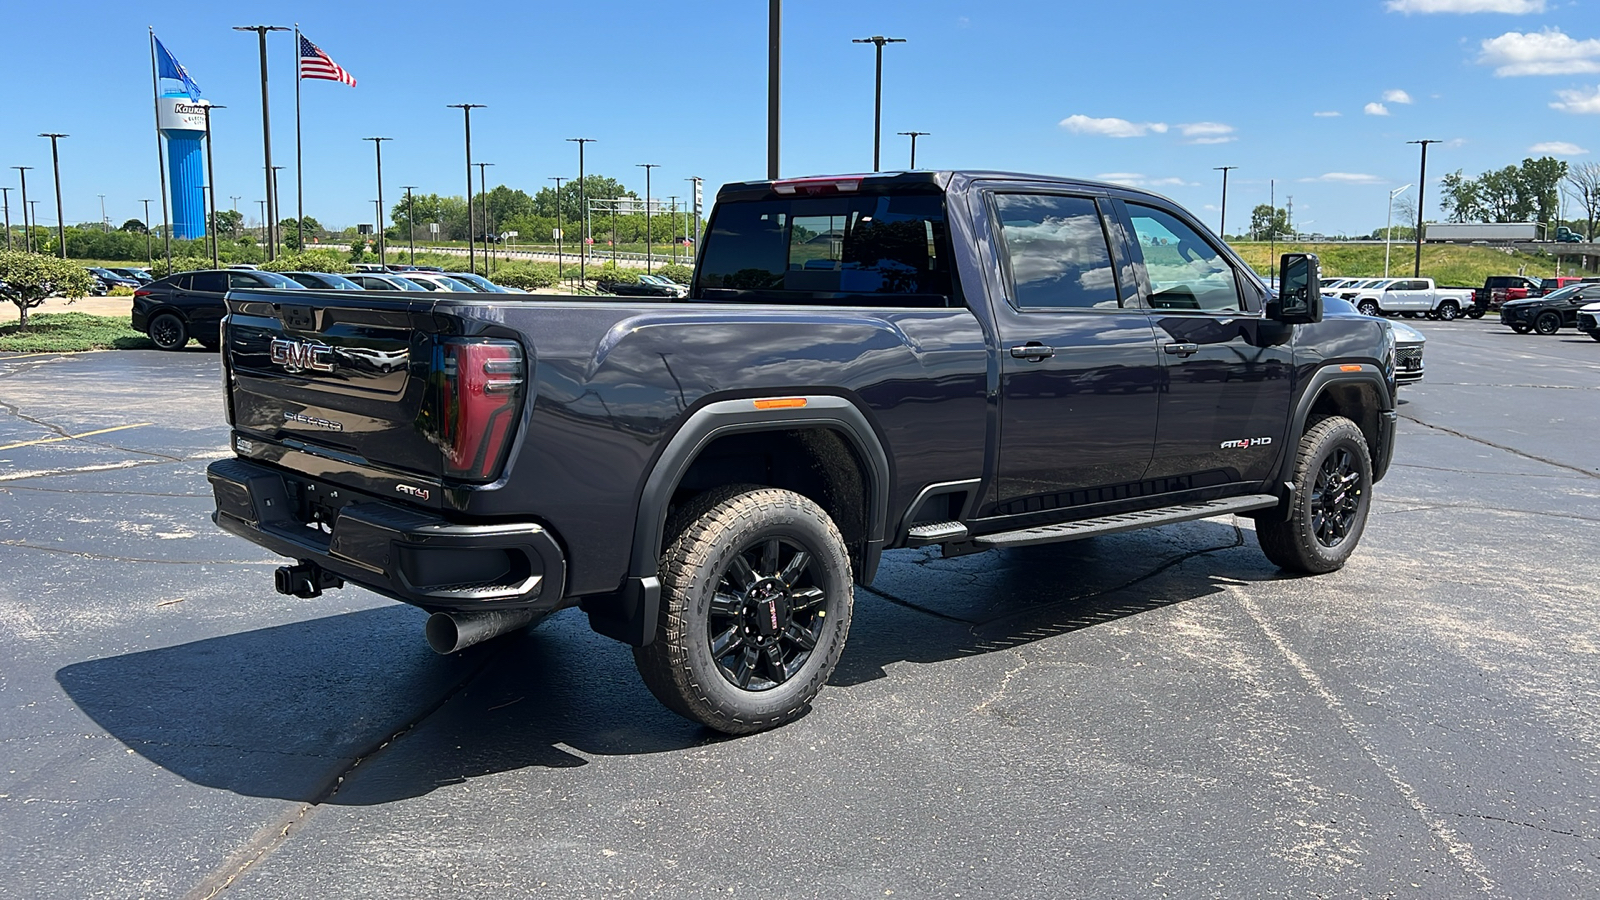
<point>1141,715</point>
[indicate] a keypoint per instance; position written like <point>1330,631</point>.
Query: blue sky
<point>1319,96</point>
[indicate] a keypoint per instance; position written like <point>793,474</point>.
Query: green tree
<point>1539,181</point>
<point>1267,222</point>
<point>1583,184</point>
<point>29,278</point>
<point>135,226</point>
<point>1459,198</point>
<point>290,234</point>
<point>228,222</point>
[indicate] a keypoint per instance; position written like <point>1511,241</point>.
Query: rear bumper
<point>414,556</point>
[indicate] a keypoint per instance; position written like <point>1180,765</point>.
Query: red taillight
<point>482,398</point>
<point>816,185</point>
<point>141,292</point>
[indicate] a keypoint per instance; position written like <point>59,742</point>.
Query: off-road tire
<point>1547,323</point>
<point>168,331</point>
<point>1295,544</point>
<point>679,666</point>
<point>1449,310</point>
<point>1369,308</point>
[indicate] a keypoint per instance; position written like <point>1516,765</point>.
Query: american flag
<point>316,64</point>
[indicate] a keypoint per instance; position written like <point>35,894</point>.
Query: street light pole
<point>262,205</point>
<point>674,208</point>
<point>647,257</point>
<point>583,215</point>
<point>1422,189</point>
<point>104,227</point>
<point>274,207</point>
<point>1388,227</point>
<point>558,179</point>
<point>1222,227</point>
<point>774,45</point>
<point>877,95</point>
<point>466,114</point>
<point>411,222</point>
<point>914,135</point>
<point>55,161</point>
<point>483,200</point>
<point>27,229</point>
<point>149,251</point>
<point>377,146</point>
<point>266,134</point>
<point>5,192</point>
<point>211,179</point>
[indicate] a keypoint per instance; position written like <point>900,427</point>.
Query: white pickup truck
<point>1413,296</point>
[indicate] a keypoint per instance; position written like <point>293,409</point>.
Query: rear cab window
<point>889,248</point>
<point>1057,252</point>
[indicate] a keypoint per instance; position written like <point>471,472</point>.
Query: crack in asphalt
<point>1479,508</point>
<point>1452,471</point>
<point>276,833</point>
<point>1512,450</point>
<point>1523,825</point>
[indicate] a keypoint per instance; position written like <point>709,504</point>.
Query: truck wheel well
<point>1356,402</point>
<point>817,463</point>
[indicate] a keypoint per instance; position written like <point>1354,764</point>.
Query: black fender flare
<point>1332,374</point>
<point>633,618</point>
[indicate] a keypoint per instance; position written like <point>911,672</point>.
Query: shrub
<point>680,274</point>
<point>527,276</point>
<point>311,261</point>
<point>159,268</point>
<point>31,277</point>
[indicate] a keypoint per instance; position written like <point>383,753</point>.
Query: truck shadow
<point>297,711</point>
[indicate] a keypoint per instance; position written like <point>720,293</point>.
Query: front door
<point>1078,364</point>
<point>1408,296</point>
<point>1225,406</point>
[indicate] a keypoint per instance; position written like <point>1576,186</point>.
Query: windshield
<point>405,284</point>
<point>847,249</point>
<point>1565,293</point>
<point>273,279</point>
<point>478,281</point>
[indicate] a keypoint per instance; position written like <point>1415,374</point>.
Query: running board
<point>1072,531</point>
<point>935,533</point>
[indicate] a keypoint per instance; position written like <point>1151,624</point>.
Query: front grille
<point>1402,354</point>
<point>1588,322</point>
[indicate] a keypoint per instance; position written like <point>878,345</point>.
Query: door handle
<point>1183,349</point>
<point>1033,350</point>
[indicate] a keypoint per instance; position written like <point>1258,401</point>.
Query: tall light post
<point>583,215</point>
<point>5,192</point>
<point>878,40</point>
<point>266,135</point>
<point>273,206</point>
<point>914,135</point>
<point>211,179</point>
<point>377,146</point>
<point>262,206</point>
<point>149,250</point>
<point>466,115</point>
<point>1222,226</point>
<point>411,222</point>
<point>1422,189</point>
<point>27,229</point>
<point>483,204</point>
<point>647,256</point>
<point>1388,227</point>
<point>674,208</point>
<point>558,179</point>
<point>55,162</point>
<point>774,45</point>
<point>105,227</point>
<point>235,198</point>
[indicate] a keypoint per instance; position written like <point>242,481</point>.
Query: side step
<point>936,533</point>
<point>1072,531</point>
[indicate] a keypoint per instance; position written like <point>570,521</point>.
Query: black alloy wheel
<point>766,615</point>
<point>1336,498</point>
<point>1328,509</point>
<point>1548,322</point>
<point>168,331</point>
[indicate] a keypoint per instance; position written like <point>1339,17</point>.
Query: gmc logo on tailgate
<point>299,356</point>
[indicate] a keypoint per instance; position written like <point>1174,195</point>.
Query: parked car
<point>709,481</point>
<point>478,283</point>
<point>681,289</point>
<point>246,267</point>
<point>1547,285</point>
<point>640,288</point>
<point>190,304</point>
<point>371,267</point>
<point>323,281</point>
<point>139,275</point>
<point>434,282</point>
<point>1589,320</point>
<point>1498,289</point>
<point>374,281</point>
<point>1550,313</point>
<point>1408,341</point>
<point>1412,295</point>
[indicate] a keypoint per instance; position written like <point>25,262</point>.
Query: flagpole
<point>161,159</point>
<point>299,167</point>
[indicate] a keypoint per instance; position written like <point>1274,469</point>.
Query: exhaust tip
<point>452,632</point>
<point>442,633</point>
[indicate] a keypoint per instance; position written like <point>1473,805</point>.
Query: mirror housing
<point>1299,297</point>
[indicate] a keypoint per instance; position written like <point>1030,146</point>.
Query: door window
<point>1185,271</point>
<point>1057,252</point>
<point>210,282</point>
<point>237,280</point>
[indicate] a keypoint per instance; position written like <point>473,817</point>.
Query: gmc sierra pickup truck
<point>971,360</point>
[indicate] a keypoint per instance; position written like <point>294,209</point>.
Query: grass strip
<point>70,333</point>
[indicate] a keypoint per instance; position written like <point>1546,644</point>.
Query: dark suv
<point>1550,313</point>
<point>190,304</point>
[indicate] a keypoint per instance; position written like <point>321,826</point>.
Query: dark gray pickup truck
<point>973,360</point>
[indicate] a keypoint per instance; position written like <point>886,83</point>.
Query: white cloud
<point>1111,127</point>
<point>1558,148</point>
<point>1579,101</point>
<point>1514,7</point>
<point>1396,96</point>
<point>1347,178</point>
<point>1135,179</point>
<point>1328,115</point>
<point>1375,109</point>
<point>1207,133</point>
<point>1548,52</point>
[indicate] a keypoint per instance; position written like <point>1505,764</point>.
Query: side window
<point>212,282</point>
<point>1185,271</point>
<point>241,280</point>
<point>1058,252</point>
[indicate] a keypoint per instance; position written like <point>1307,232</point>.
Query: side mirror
<point>1299,300</point>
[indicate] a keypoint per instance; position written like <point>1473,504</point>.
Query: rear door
<point>1408,296</point>
<point>1078,364</point>
<point>1225,403</point>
